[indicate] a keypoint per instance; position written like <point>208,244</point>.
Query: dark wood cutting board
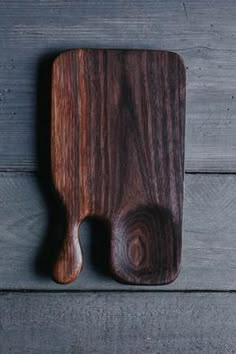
<point>117,144</point>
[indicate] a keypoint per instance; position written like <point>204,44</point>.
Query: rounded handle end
<point>69,262</point>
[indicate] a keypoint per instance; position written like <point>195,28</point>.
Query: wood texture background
<point>32,33</point>
<point>204,32</point>
<point>27,241</point>
<point>118,323</point>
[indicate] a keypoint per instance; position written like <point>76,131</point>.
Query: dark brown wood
<point>118,122</point>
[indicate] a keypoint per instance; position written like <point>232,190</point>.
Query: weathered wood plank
<point>27,244</point>
<point>203,32</point>
<point>118,323</point>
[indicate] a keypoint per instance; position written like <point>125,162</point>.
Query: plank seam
<point>53,291</point>
<point>36,173</point>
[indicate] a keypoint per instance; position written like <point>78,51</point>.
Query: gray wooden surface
<point>118,323</point>
<point>209,242</point>
<point>203,32</point>
<point>196,314</point>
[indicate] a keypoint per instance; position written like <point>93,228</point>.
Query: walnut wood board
<point>118,323</point>
<point>117,142</point>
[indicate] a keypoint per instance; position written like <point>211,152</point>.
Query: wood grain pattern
<point>27,239</point>
<point>118,323</point>
<point>33,34</point>
<point>118,154</point>
<point>209,247</point>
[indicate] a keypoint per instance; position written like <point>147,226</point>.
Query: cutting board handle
<point>69,262</point>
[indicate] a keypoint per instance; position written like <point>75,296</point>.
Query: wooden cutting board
<point>117,144</point>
